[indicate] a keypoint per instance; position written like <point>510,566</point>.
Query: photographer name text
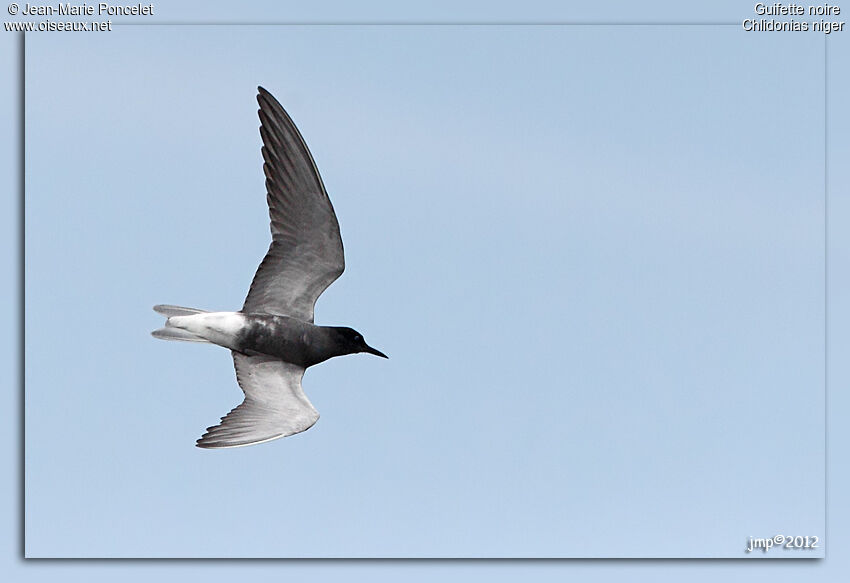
<point>99,9</point>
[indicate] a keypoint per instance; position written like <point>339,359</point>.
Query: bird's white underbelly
<point>219,328</point>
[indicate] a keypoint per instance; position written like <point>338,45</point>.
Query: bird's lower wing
<point>275,404</point>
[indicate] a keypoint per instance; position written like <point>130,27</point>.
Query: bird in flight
<point>273,338</point>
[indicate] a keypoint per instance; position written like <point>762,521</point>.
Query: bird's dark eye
<point>358,338</point>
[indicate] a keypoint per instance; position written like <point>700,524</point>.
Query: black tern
<point>273,338</point>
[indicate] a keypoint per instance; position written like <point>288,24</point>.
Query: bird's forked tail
<point>171,333</point>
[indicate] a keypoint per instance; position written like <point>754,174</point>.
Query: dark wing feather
<point>306,253</point>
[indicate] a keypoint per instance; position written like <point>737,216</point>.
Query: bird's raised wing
<point>274,406</point>
<point>306,254</point>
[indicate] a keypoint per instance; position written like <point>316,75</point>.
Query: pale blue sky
<point>594,255</point>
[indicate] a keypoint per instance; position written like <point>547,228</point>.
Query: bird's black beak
<point>370,350</point>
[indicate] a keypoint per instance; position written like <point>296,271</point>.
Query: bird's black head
<point>351,341</point>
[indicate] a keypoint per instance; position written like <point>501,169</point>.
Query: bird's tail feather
<point>171,333</point>
<point>169,311</point>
